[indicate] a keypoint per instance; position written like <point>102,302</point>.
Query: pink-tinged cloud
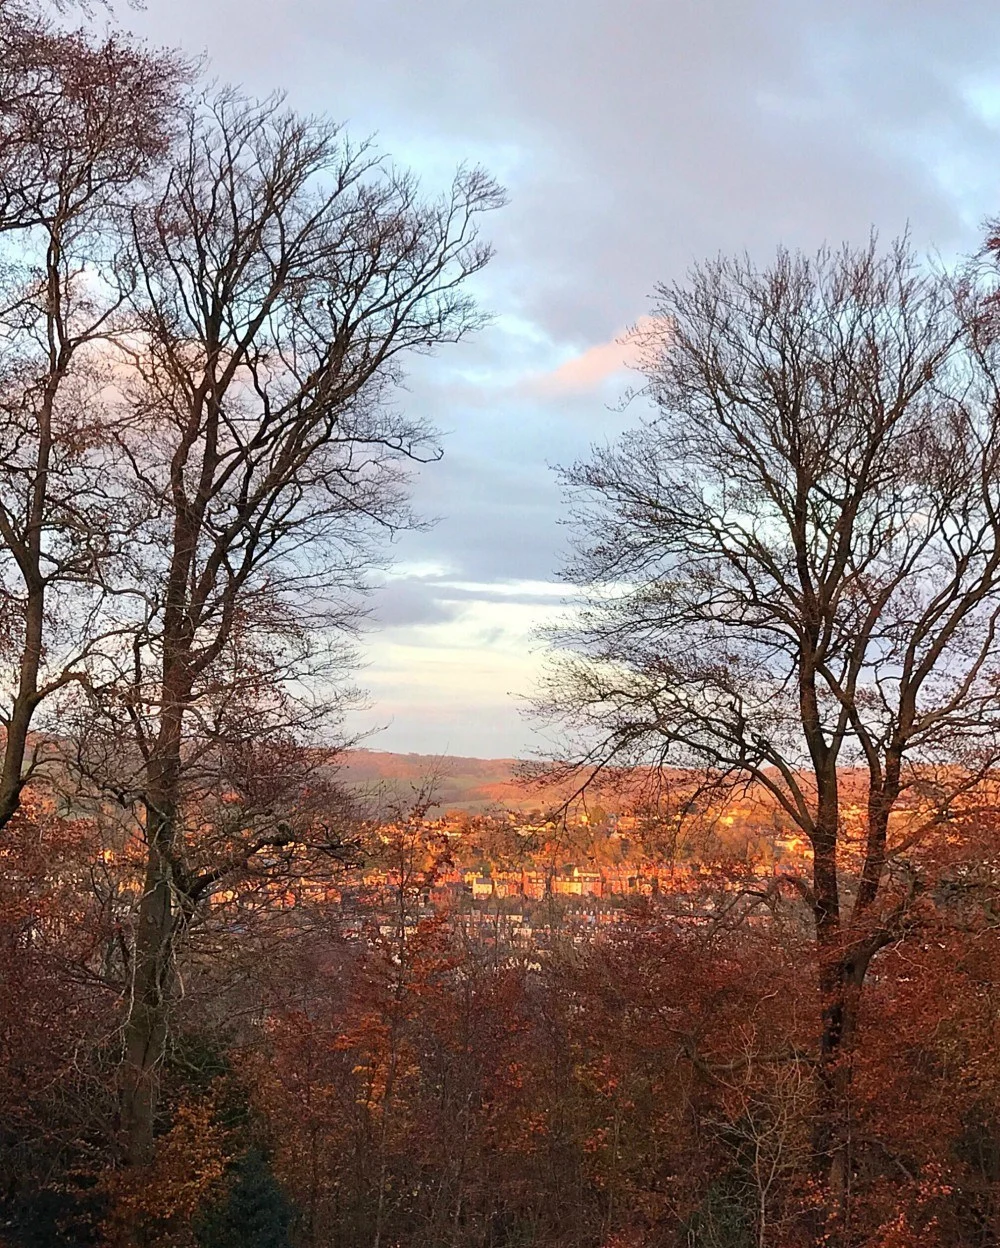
<point>599,363</point>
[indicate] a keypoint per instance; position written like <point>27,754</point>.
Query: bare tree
<point>82,124</point>
<point>793,568</point>
<point>280,274</point>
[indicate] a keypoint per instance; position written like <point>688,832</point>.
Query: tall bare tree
<point>280,275</point>
<point>82,124</point>
<point>793,568</point>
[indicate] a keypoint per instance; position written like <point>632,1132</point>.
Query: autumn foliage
<point>393,1076</point>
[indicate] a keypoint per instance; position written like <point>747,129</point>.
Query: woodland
<point>238,1007</point>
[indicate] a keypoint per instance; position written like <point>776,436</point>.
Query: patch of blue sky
<point>982,97</point>
<point>511,347</point>
<point>962,172</point>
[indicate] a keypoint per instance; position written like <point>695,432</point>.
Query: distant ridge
<point>461,783</point>
<point>474,784</point>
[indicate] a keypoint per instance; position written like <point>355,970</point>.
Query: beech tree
<point>82,124</point>
<point>792,577</point>
<point>276,277</point>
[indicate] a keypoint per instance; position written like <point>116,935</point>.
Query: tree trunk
<point>29,558</point>
<point>23,708</point>
<point>152,975</point>
<point>842,988</point>
<point>830,1135</point>
<point>146,1028</point>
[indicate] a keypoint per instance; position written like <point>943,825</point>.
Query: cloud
<point>402,604</point>
<point>459,687</point>
<point>597,365</point>
<point>660,134</point>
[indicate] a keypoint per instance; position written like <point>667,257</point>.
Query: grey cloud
<point>482,593</point>
<point>404,603</point>
<point>635,138</point>
<point>641,136</point>
<point>498,518</point>
<point>443,592</point>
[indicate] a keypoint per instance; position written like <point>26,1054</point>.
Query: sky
<point>634,138</point>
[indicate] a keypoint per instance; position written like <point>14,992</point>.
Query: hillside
<point>459,783</point>
<point>476,783</point>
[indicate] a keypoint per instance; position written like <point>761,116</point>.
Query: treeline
<point>396,1079</point>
